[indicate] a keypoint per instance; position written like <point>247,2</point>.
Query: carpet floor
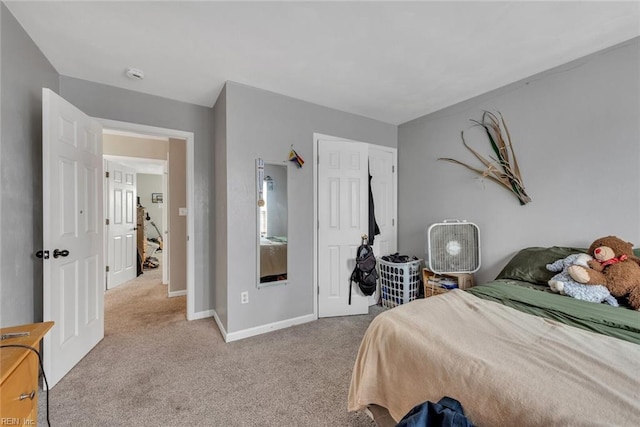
<point>155,368</point>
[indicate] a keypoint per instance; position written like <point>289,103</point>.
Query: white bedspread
<point>507,368</point>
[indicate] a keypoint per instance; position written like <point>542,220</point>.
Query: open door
<point>382,166</point>
<point>121,224</point>
<point>343,213</point>
<point>73,218</point>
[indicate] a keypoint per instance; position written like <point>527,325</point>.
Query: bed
<point>273,259</point>
<point>511,351</point>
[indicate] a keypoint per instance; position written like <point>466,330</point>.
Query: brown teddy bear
<point>615,265</point>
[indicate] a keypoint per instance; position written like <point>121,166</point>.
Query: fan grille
<point>454,248</point>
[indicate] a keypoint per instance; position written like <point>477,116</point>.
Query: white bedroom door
<point>73,218</point>
<point>382,166</point>
<point>121,217</point>
<point>343,209</point>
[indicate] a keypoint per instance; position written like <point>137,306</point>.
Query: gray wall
<point>264,124</point>
<point>112,103</point>
<point>576,135</point>
<point>219,194</point>
<point>25,71</point>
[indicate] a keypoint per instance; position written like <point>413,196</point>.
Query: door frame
<point>189,137</point>
<point>316,138</point>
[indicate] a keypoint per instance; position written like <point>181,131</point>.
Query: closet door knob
<point>57,253</point>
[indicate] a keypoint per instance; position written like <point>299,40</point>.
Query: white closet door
<point>343,201</point>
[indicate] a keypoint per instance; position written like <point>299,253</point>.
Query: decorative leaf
<point>503,169</point>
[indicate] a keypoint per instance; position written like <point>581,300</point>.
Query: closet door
<point>343,214</point>
<point>382,166</point>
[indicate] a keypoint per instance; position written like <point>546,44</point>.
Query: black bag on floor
<point>365,273</point>
<point>447,412</point>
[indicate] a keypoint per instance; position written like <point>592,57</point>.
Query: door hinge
<point>107,268</point>
<point>393,168</point>
<point>106,174</point>
<point>106,221</point>
<point>393,222</point>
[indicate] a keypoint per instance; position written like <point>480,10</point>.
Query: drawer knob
<point>31,395</point>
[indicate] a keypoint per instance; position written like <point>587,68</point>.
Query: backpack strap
<point>354,272</point>
<point>351,279</point>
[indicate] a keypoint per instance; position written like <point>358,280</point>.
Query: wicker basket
<point>431,290</point>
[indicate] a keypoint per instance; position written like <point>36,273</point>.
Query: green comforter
<point>622,323</point>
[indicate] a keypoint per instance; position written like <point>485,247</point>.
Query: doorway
<point>74,228</point>
<point>137,225</point>
<point>341,209</point>
<point>184,211</point>
<point>143,159</point>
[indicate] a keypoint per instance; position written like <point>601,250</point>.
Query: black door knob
<point>62,253</point>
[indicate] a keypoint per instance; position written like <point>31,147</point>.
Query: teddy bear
<point>565,285</point>
<point>615,266</point>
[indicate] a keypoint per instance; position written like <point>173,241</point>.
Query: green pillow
<point>530,264</point>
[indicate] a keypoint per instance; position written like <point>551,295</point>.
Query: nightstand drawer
<point>20,390</point>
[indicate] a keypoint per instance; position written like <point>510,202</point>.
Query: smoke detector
<point>135,74</point>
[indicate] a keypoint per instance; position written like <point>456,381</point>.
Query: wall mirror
<point>272,218</point>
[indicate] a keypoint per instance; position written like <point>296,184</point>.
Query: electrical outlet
<point>244,297</point>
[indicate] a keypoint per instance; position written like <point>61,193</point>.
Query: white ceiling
<point>391,61</point>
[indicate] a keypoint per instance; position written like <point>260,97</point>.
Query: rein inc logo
<point>5,421</point>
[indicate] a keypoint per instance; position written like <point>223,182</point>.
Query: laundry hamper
<point>399,282</point>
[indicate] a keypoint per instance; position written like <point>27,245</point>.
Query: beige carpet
<point>154,368</point>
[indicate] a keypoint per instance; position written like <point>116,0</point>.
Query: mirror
<point>273,223</point>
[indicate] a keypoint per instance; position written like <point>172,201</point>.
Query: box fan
<point>453,246</point>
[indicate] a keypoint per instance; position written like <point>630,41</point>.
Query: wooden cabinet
<point>432,280</point>
<point>19,372</point>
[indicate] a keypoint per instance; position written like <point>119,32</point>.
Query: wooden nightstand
<point>19,372</point>
<point>429,278</point>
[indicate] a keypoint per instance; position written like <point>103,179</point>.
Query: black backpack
<point>365,273</point>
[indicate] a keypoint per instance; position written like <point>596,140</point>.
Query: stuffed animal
<point>615,266</point>
<point>565,285</point>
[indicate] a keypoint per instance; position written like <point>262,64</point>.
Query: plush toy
<point>615,266</point>
<point>565,285</point>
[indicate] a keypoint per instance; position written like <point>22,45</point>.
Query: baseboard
<point>258,330</point>
<point>203,314</point>
<point>177,293</point>
<point>223,331</point>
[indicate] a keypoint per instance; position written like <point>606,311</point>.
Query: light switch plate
<point>182,211</point>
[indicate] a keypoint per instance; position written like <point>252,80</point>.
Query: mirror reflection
<point>273,224</point>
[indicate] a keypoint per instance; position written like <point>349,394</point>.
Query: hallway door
<point>73,218</point>
<point>121,227</point>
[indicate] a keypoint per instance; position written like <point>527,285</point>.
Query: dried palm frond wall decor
<point>502,169</point>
